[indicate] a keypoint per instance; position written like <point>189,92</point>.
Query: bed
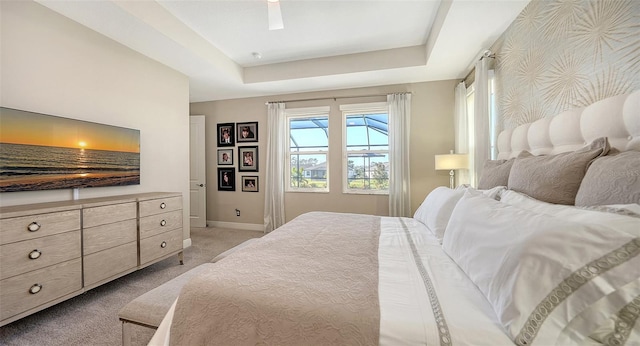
<point>517,261</point>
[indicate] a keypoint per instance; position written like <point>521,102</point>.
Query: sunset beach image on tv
<point>45,152</point>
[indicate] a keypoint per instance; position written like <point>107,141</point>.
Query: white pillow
<point>537,271</point>
<point>436,209</point>
<point>494,192</point>
<point>624,218</point>
<point>598,318</point>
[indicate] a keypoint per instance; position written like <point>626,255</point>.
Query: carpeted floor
<point>92,317</point>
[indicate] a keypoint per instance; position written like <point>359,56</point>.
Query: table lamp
<point>452,162</point>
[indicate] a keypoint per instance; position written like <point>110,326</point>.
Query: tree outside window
<point>308,149</point>
<point>366,149</point>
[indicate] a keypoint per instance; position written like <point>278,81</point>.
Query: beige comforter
<point>313,281</point>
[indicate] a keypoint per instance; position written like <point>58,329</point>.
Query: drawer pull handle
<point>163,205</point>
<point>163,223</point>
<point>35,254</point>
<point>163,244</point>
<point>34,226</point>
<point>35,288</point>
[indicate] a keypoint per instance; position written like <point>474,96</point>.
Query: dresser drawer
<point>28,255</point>
<point>160,223</point>
<point>18,228</point>
<point>54,282</point>
<point>105,264</point>
<point>107,236</point>
<point>160,245</point>
<point>160,205</point>
<point>107,214</point>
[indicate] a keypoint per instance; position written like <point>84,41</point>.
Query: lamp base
<point>451,174</point>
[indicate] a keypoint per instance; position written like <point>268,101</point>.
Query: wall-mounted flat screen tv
<point>45,152</point>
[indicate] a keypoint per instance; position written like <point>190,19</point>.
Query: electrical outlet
<point>237,212</point>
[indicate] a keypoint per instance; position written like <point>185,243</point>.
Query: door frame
<point>197,170</point>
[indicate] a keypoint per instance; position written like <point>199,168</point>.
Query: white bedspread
<point>424,297</point>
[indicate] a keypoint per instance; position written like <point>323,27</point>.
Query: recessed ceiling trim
<point>438,22</point>
<point>164,22</point>
<point>343,51</point>
<point>327,66</point>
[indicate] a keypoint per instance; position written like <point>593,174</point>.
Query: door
<point>198,177</point>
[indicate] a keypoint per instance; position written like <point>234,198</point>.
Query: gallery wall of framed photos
<point>228,136</point>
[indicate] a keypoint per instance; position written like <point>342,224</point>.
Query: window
<point>308,165</point>
<point>366,148</point>
<point>493,123</point>
<point>494,129</point>
<point>471,134</point>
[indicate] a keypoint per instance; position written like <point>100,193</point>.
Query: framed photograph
<point>248,159</point>
<point>225,157</point>
<point>226,135</point>
<point>250,183</point>
<point>226,179</point>
<point>247,132</point>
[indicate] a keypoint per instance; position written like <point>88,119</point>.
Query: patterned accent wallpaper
<point>564,54</point>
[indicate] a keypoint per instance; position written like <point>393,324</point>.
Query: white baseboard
<point>236,225</point>
<point>186,243</point>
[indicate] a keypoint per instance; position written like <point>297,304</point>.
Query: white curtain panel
<point>399,178</point>
<point>274,175</point>
<point>481,117</point>
<point>461,130</point>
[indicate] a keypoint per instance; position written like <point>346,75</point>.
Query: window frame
<point>494,120</point>
<point>471,136</point>
<point>494,123</point>
<point>302,113</point>
<point>358,109</point>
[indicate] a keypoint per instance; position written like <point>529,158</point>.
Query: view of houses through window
<point>365,150</point>
<point>308,149</point>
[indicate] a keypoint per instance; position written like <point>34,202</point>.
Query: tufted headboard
<point>617,118</point>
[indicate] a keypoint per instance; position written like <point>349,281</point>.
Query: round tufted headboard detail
<point>617,118</point>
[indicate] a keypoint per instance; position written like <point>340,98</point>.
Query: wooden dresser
<point>50,252</point>
<point>160,228</point>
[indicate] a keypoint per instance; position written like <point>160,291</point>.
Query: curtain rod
<point>487,54</point>
<point>328,98</point>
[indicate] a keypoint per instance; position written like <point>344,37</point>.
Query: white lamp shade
<point>452,161</point>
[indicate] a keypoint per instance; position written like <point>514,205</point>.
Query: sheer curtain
<point>461,126</point>
<point>481,120</point>
<point>399,178</point>
<point>274,175</point>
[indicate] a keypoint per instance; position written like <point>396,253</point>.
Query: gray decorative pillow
<point>611,179</point>
<point>495,173</point>
<point>557,178</point>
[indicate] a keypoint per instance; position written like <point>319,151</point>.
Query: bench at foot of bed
<point>149,309</point>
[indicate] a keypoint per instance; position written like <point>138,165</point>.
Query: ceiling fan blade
<point>275,16</point>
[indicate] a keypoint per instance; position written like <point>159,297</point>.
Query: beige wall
<point>52,65</point>
<point>432,133</point>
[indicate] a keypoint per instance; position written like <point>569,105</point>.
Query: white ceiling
<point>325,44</point>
